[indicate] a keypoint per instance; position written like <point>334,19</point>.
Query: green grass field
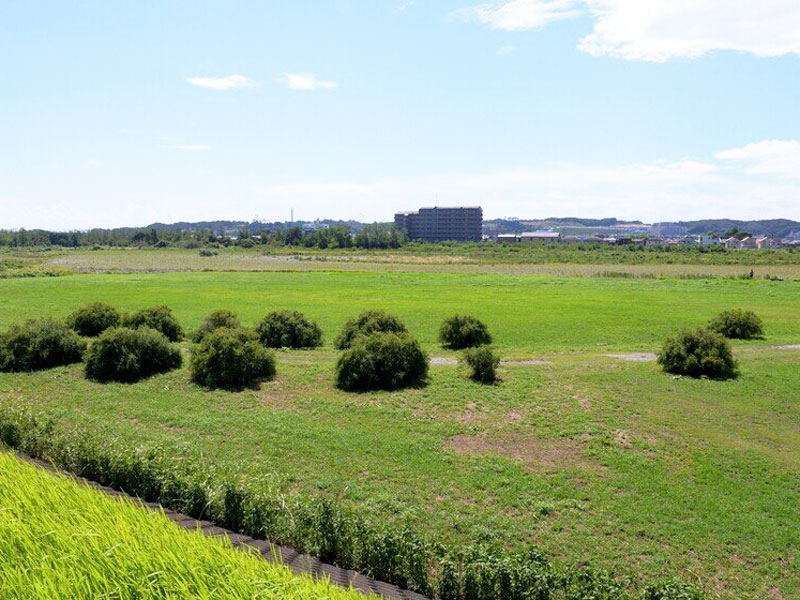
<point>597,460</point>
<point>60,540</point>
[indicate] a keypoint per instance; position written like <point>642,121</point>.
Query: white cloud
<point>519,15</point>
<point>661,30</point>
<point>503,50</point>
<point>229,82</point>
<point>770,157</point>
<point>306,81</point>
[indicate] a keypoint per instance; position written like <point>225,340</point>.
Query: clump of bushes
<point>126,355</point>
<point>159,318</point>
<point>93,319</point>
<point>214,321</point>
<point>39,345</point>
<point>231,358</point>
<point>738,324</point>
<point>381,361</point>
<point>368,322</point>
<point>207,252</point>
<point>482,363</point>
<point>459,332</point>
<point>289,329</point>
<point>698,353</point>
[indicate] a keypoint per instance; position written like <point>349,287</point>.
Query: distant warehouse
<point>442,224</point>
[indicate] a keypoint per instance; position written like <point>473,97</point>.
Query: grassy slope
<point>598,460</point>
<point>62,540</point>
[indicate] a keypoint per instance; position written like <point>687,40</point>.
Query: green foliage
<point>214,321</point>
<point>368,322</point>
<point>393,553</point>
<point>93,319</point>
<point>127,355</point>
<point>60,539</point>
<point>159,318</point>
<point>289,329</point>
<point>483,363</point>
<point>208,252</point>
<point>231,358</point>
<point>738,324</point>
<point>674,589</point>
<point>459,332</point>
<point>698,353</point>
<point>381,361</point>
<point>39,345</point>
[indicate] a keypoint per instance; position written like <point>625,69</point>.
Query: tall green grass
<point>63,540</point>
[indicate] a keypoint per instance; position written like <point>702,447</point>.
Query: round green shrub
<point>159,318</point>
<point>126,355</point>
<point>289,329</point>
<point>93,319</point>
<point>231,358</point>
<point>216,320</point>
<point>738,324</point>
<point>482,363</point>
<point>698,353</point>
<point>39,345</point>
<point>459,332</point>
<point>381,361</point>
<point>368,322</point>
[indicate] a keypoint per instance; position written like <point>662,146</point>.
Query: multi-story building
<point>442,224</point>
<point>667,230</point>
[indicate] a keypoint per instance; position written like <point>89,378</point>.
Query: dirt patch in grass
<point>635,356</point>
<point>525,363</point>
<point>536,453</point>
<point>443,360</point>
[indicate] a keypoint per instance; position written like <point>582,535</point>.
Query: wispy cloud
<point>659,30</point>
<point>520,15</point>
<point>229,82</point>
<point>769,157</point>
<point>306,81</point>
<point>194,147</point>
<point>503,50</point>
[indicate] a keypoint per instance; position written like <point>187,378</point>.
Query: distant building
<point>442,224</point>
<point>548,237</point>
<point>507,238</point>
<point>733,243</point>
<point>668,230</point>
<point>766,243</point>
<point>706,240</point>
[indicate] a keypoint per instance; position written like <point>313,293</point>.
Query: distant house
<point>547,237</point>
<point>507,238</point>
<point>733,243</point>
<point>765,243</point>
<point>706,240</point>
<point>748,242</point>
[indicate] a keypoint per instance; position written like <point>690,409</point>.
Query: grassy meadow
<point>598,460</point>
<point>62,540</point>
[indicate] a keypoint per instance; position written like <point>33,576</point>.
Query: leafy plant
<point>127,355</point>
<point>231,358</point>
<point>483,363</point>
<point>459,332</point>
<point>289,329</point>
<point>368,322</point>
<point>39,345</point>
<point>698,353</point>
<point>738,324</point>
<point>214,321</point>
<point>93,319</point>
<point>384,361</point>
<point>159,318</point>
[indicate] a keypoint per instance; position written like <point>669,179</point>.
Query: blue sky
<point>126,113</point>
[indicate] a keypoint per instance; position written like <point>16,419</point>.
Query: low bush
<point>159,318</point>
<point>214,321</point>
<point>738,324</point>
<point>459,332</point>
<point>93,319</point>
<point>231,358</point>
<point>127,355</point>
<point>207,252</point>
<point>381,361</point>
<point>343,536</point>
<point>289,329</point>
<point>698,353</point>
<point>483,364</point>
<point>39,345</point>
<point>368,322</point>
